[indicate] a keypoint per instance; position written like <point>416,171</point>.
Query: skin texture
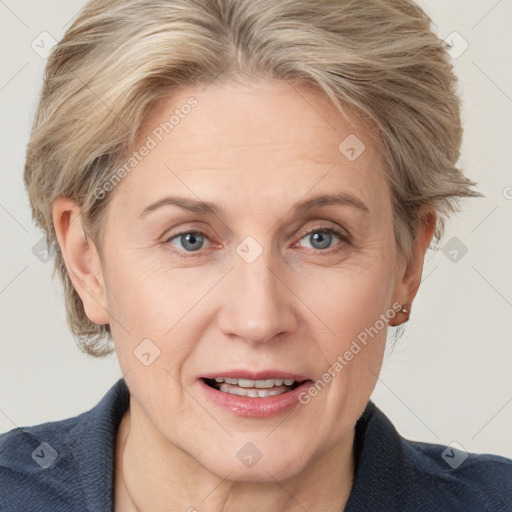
<point>255,152</point>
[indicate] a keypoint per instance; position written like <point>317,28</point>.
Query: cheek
<point>352,300</point>
<point>148,310</point>
<point>146,295</point>
<point>353,309</point>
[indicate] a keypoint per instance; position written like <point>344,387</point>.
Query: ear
<point>81,258</point>
<point>409,277</point>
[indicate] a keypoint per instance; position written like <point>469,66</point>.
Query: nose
<point>257,305</point>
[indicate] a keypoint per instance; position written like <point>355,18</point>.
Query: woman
<point>308,148</point>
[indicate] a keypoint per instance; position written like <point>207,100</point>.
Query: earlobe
<point>81,258</point>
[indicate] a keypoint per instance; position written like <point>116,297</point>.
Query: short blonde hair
<point>378,58</point>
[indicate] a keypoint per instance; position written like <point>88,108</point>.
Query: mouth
<point>254,394</point>
<point>260,388</point>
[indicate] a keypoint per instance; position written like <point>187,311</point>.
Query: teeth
<point>253,388</point>
<point>251,392</point>
<point>260,384</point>
<point>269,383</point>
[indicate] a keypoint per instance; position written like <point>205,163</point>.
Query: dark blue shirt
<point>68,466</point>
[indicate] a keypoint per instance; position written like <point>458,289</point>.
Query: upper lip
<point>255,375</point>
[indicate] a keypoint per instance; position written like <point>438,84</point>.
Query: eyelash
<point>345,239</point>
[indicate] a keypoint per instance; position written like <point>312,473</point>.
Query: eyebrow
<point>207,208</point>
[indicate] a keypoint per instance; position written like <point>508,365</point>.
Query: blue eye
<point>320,238</point>
<point>191,241</point>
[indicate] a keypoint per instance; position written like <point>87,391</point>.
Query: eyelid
<point>344,236</point>
<point>336,230</point>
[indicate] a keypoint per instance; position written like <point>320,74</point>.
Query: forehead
<point>267,141</point>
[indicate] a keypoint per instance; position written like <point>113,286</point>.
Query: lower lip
<point>256,407</point>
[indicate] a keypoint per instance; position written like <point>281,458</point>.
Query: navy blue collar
<point>391,473</point>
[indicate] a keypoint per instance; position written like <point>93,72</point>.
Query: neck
<point>144,480</point>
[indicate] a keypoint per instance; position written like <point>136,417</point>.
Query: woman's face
<point>259,290</point>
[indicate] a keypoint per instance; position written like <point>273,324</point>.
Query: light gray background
<point>449,379</point>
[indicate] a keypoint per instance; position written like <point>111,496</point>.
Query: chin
<point>250,464</point>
